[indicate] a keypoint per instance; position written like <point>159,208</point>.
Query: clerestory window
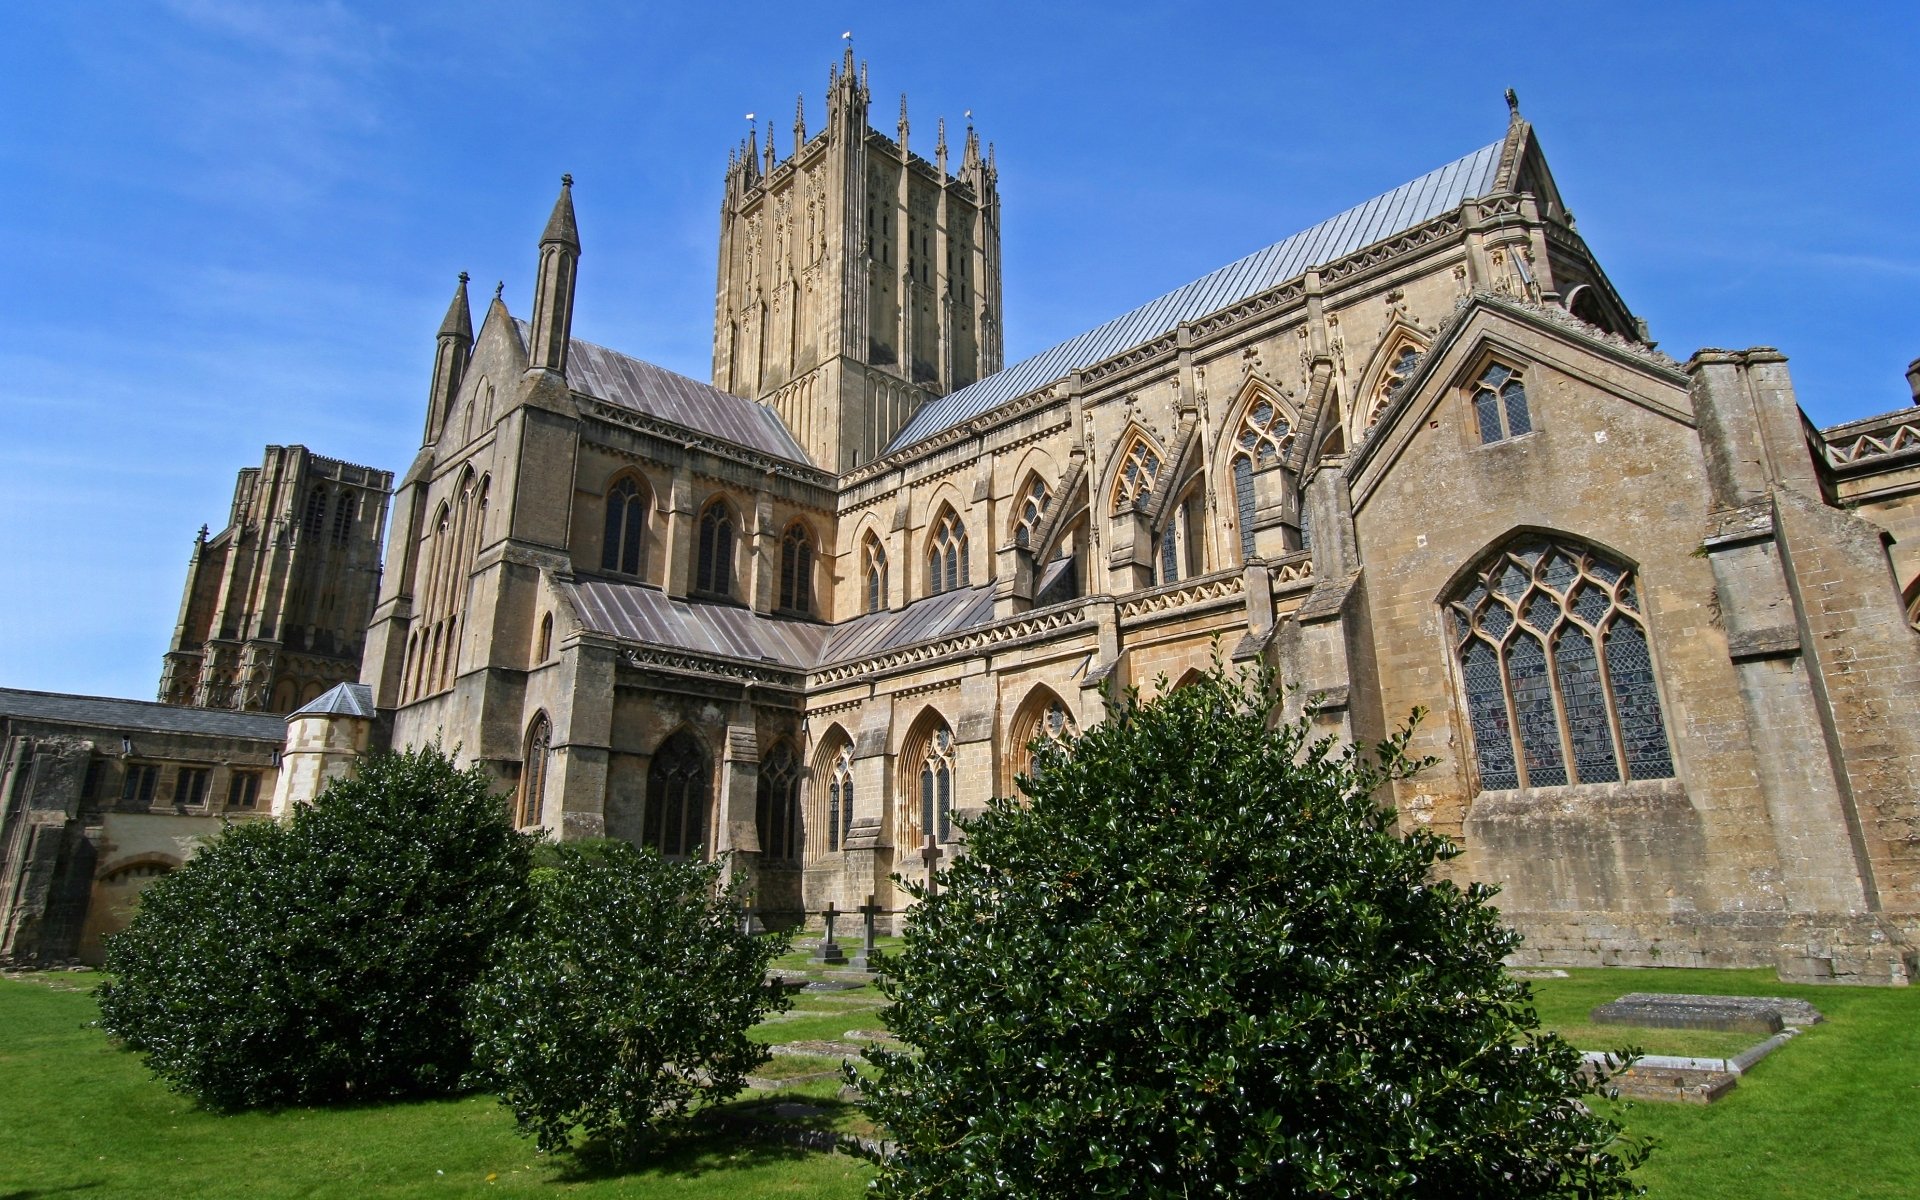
<point>947,554</point>
<point>874,571</point>
<point>796,570</point>
<point>1557,670</point>
<point>715,575</point>
<point>623,543</point>
<point>1033,506</point>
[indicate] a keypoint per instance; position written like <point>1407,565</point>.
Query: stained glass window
<point>1500,404</point>
<point>1556,669</point>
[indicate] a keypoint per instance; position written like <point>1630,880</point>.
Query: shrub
<point>328,957</point>
<point>624,1003</point>
<point>1202,963</point>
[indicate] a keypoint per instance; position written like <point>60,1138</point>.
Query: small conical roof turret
<point>560,227</point>
<point>940,147</point>
<point>799,122</point>
<point>459,322</point>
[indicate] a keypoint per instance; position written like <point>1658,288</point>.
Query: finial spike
<point>498,288</point>
<point>1513,104</point>
<point>463,278</point>
<point>566,180</point>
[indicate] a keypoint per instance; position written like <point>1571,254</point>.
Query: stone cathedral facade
<point>1419,455</point>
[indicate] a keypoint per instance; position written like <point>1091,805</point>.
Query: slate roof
<point>930,617</point>
<point>343,699</point>
<point>111,712</point>
<point>1383,216</point>
<point>649,616</point>
<point>644,387</point>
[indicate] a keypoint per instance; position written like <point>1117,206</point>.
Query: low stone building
<point>1419,455</point>
<point>99,797</point>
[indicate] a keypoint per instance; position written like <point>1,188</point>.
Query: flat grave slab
<point>1763,1015</point>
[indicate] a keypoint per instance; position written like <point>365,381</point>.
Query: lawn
<point>1835,1113</point>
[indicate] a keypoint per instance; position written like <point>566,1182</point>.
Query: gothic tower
<point>857,280</point>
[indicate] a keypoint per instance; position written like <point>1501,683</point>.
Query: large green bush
<point>329,957</point>
<point>1202,963</point>
<point>625,1001</point>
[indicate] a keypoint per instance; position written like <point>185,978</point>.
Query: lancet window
<point>717,535</point>
<point>1557,670</point>
<point>777,808</point>
<point>623,546</point>
<point>947,554</point>
<point>1047,725</point>
<point>796,569</point>
<point>316,514</point>
<point>533,773</point>
<point>1179,555</point>
<point>343,515</point>
<point>678,792</point>
<point>936,786</point>
<point>1133,491</point>
<point>1262,441</point>
<point>839,814</point>
<point>1033,506</point>
<point>873,570</point>
<point>1500,404</point>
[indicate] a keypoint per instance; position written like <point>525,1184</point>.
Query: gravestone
<point>1763,1015</point>
<point>828,951</point>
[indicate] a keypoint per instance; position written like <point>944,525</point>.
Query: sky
<point>225,224</point>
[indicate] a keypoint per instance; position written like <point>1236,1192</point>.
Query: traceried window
<point>840,799</point>
<point>777,808</point>
<point>623,546</point>
<point>1393,379</point>
<point>1133,491</point>
<point>1556,668</point>
<point>1033,506</point>
<point>343,515</point>
<point>936,786</point>
<point>1264,437</point>
<point>715,575</point>
<point>947,554</point>
<point>1046,726</point>
<point>873,570</point>
<point>1500,404</point>
<point>533,773</point>
<point>796,569</point>
<point>678,792</point>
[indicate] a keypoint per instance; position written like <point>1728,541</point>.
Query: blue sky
<point>225,224</point>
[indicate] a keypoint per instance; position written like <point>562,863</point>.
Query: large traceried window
<point>946,554</point>
<point>531,803</point>
<point>623,547</point>
<point>717,535</point>
<point>1500,404</point>
<point>678,791</point>
<point>936,787</point>
<point>777,807</point>
<point>1392,378</point>
<point>796,569</point>
<point>1262,441</point>
<point>1044,723</point>
<point>839,815</point>
<point>1139,469</point>
<point>873,573</point>
<point>1556,668</point>
<point>1032,507</point>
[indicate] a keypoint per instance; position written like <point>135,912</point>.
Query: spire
<point>560,227</point>
<point>799,122</point>
<point>553,291</point>
<point>903,122</point>
<point>772,157</point>
<point>752,150</point>
<point>940,148</point>
<point>970,157</point>
<point>459,322</point>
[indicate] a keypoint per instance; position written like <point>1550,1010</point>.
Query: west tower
<point>857,279</point>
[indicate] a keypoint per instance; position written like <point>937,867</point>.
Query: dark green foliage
<point>327,958</point>
<point>625,1001</point>
<point>1202,963</point>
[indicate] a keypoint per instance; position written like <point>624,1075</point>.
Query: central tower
<point>857,279</point>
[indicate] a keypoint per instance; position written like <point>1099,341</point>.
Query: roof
<point>930,617</point>
<point>643,614</point>
<point>1383,216</point>
<point>644,387</point>
<point>111,712</point>
<point>341,700</point>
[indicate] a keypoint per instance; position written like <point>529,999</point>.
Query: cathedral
<point>1422,454</point>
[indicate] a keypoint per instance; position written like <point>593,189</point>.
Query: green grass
<point>1833,1114</point>
<point>77,1114</point>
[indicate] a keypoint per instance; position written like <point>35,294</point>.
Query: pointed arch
<point>530,802</point>
<point>719,533</point>
<point>928,779</point>
<point>1031,501</point>
<point>1043,719</point>
<point>624,528</point>
<point>777,804</point>
<point>1400,349</point>
<point>797,555</point>
<point>679,797</point>
<point>873,573</point>
<point>947,567</point>
<point>831,795</point>
<point>1255,446</point>
<point>1135,472</point>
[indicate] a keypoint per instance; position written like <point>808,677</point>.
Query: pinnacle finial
<point>1513,104</point>
<point>566,181</point>
<point>560,226</point>
<point>464,277</point>
<point>459,321</point>
<point>498,288</point>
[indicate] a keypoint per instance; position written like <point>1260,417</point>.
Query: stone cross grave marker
<point>869,911</point>
<point>930,854</point>
<point>828,951</point>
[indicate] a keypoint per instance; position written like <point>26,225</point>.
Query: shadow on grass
<point>702,1148</point>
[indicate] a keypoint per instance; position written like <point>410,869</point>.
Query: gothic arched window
<point>1179,556</point>
<point>343,515</point>
<point>935,776</point>
<point>796,569</point>
<point>715,575</point>
<point>1556,668</point>
<point>623,546</point>
<point>873,570</point>
<point>316,514</point>
<point>533,772</point>
<point>1500,404</point>
<point>1262,441</point>
<point>777,807</point>
<point>677,797</point>
<point>1392,378</point>
<point>1133,490</point>
<point>1045,724</point>
<point>947,554</point>
<point>839,814</point>
<point>1033,506</point>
